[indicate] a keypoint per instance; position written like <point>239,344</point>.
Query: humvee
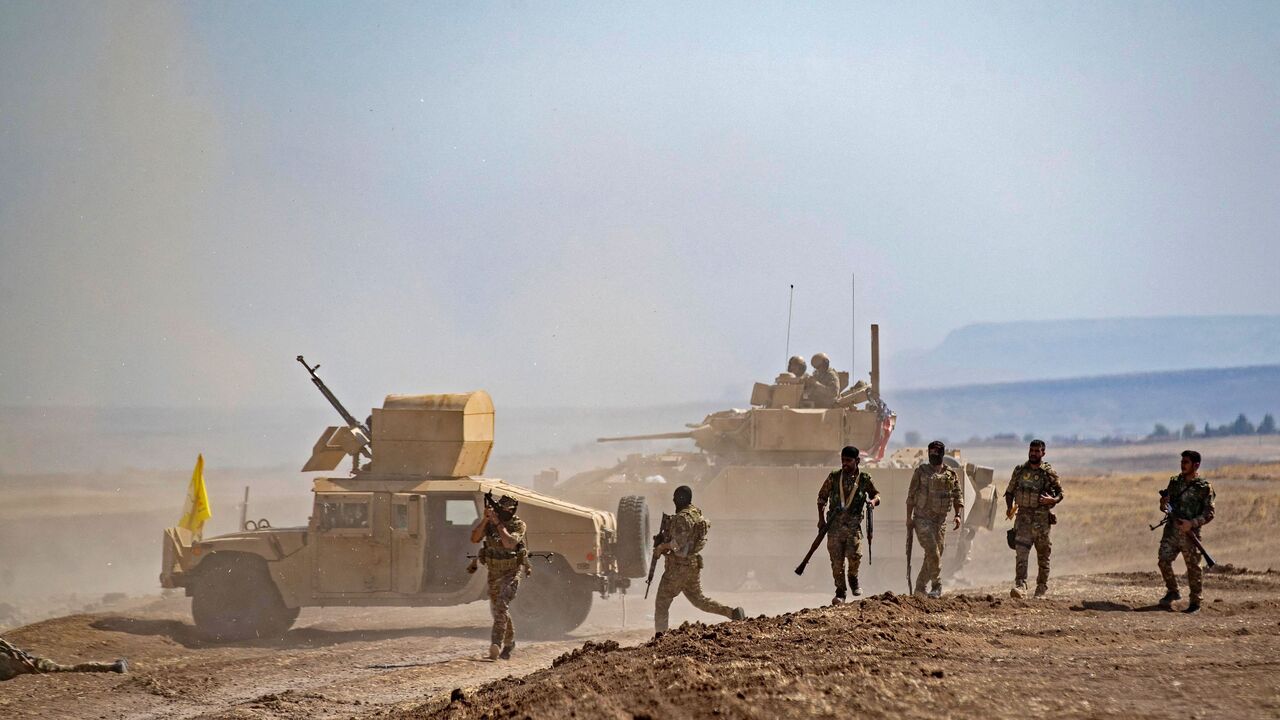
<point>396,532</point>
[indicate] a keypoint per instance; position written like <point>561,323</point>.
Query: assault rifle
<point>871,530</point>
<point>910,531</point>
<point>18,654</point>
<point>822,532</point>
<point>1167,507</point>
<point>664,534</point>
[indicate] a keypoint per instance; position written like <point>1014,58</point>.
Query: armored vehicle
<point>396,532</point>
<point>756,474</point>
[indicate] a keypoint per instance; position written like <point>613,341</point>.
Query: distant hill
<point>1128,404</point>
<point>1008,352</point>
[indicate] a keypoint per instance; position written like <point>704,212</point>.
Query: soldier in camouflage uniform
<point>1035,489</point>
<point>849,491</point>
<point>504,554</point>
<point>823,385</point>
<point>15,661</point>
<point>935,489</point>
<point>1189,500</point>
<point>683,570</point>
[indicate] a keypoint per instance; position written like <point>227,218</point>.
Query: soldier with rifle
<point>505,555</point>
<point>682,539</point>
<point>935,489</point>
<point>15,661</point>
<point>849,492</point>
<point>1188,506</point>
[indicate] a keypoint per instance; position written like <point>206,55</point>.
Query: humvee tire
<point>551,602</point>
<point>634,540</point>
<point>236,599</point>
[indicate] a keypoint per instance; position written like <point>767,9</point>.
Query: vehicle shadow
<point>1110,606</point>
<point>186,635</point>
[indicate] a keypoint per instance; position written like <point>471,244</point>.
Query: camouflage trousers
<point>11,667</point>
<point>683,575</point>
<point>844,543</point>
<point>502,590</point>
<point>1172,544</point>
<point>930,533</point>
<point>1031,529</point>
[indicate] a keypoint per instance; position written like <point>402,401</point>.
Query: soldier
<point>683,571</point>
<point>15,662</point>
<point>824,384</point>
<point>935,488</point>
<point>504,554</point>
<point>849,491</point>
<point>797,367</point>
<point>1189,498</point>
<point>1035,489</point>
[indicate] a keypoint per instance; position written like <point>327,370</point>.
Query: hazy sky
<point>604,203</point>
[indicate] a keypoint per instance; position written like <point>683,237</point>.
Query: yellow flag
<point>196,510</point>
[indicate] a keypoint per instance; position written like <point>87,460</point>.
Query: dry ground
<point>1091,650</point>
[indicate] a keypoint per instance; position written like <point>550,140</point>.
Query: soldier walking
<point>1189,501</point>
<point>935,488</point>
<point>1034,489</point>
<point>504,554</point>
<point>683,570</point>
<point>849,492</point>
<point>15,661</point>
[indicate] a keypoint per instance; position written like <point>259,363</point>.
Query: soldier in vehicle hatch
<point>1189,501</point>
<point>849,491</point>
<point>1034,489</point>
<point>823,385</point>
<point>683,570</point>
<point>14,662</point>
<point>797,367</point>
<point>935,489</point>
<point>504,554</point>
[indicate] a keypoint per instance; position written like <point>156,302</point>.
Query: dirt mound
<point>902,656</point>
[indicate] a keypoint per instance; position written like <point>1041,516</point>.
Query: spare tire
<point>634,542</point>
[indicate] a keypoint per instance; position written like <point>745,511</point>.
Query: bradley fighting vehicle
<point>396,531</point>
<point>756,474</point>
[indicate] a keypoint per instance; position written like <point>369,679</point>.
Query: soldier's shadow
<point>187,636</point>
<point>1111,606</point>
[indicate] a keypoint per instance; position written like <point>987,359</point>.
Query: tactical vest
<point>857,502</point>
<point>1188,499</point>
<point>1029,485</point>
<point>698,529</point>
<point>933,494</point>
<point>499,559</point>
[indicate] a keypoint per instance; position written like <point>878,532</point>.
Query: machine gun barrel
<point>333,400</point>
<point>687,434</point>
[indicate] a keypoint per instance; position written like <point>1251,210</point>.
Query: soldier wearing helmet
<point>504,554</point>
<point>797,367</point>
<point>821,388</point>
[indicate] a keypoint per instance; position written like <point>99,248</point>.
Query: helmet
<point>796,366</point>
<point>821,361</point>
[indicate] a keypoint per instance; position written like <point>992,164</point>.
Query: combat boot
<point>1041,591</point>
<point>120,666</point>
<point>1193,606</point>
<point>739,614</point>
<point>506,651</point>
<point>853,587</point>
<point>1018,590</point>
<point>838,599</point>
<point>494,651</point>
<point>1166,602</point>
<point>935,592</point>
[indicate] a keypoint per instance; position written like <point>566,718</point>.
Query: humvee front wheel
<point>551,602</point>
<point>236,599</point>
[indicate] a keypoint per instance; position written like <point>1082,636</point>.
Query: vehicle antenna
<point>790,303</point>
<point>853,326</point>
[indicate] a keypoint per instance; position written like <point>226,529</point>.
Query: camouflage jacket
<point>1190,500</point>
<point>15,661</point>
<point>933,491</point>
<point>1028,483</point>
<point>688,532</point>
<point>493,549</point>
<point>848,495</point>
<point>822,387</point>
